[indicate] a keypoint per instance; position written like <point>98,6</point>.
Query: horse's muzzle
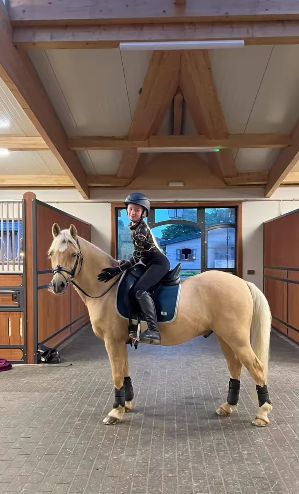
<point>58,286</point>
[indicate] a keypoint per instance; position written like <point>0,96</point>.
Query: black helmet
<point>139,199</point>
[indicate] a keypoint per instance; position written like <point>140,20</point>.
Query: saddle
<point>165,294</point>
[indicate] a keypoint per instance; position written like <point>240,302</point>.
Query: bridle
<point>73,272</point>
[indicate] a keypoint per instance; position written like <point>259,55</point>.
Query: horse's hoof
<point>225,410</point>
<point>115,416</point>
<point>259,422</point>
<point>110,420</point>
<point>222,412</point>
<point>129,406</point>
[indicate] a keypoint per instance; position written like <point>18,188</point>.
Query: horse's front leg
<point>118,356</point>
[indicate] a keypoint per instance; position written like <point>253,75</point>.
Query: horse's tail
<point>260,326</point>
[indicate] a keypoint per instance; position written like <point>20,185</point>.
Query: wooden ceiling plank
<point>21,78</point>
<point>159,87</point>
<point>77,12</point>
<point>199,91</point>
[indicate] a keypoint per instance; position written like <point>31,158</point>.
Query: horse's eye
<point>74,254</point>
<point>50,253</point>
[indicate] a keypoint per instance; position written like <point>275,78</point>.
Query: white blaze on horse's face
<point>63,252</point>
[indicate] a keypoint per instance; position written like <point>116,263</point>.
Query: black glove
<point>108,273</point>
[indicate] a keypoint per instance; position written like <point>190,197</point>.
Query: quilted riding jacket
<point>146,248</point>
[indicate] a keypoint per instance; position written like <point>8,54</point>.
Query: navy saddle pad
<point>165,294</point>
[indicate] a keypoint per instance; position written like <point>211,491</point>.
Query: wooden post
<point>30,278</point>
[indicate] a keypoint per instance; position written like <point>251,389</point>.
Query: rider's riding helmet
<point>138,199</point>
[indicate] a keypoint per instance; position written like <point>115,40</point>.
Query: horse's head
<point>66,257</point>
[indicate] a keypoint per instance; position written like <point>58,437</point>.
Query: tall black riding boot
<point>148,309</point>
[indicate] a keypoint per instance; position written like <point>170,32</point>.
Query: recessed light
<point>4,123</point>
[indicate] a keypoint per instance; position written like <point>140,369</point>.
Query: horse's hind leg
<point>235,367</point>
<point>118,355</point>
<point>256,370</point>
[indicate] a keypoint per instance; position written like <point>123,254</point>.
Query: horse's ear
<point>73,232</point>
<point>55,229</point>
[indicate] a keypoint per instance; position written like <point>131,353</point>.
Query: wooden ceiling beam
<point>64,12</point>
<point>249,178</point>
<point>178,106</point>
<point>292,178</point>
<point>159,87</point>
<point>37,143</point>
<point>20,77</point>
<point>180,141</point>
<point>23,143</point>
<point>109,36</point>
<point>199,91</point>
<point>35,181</point>
<point>286,161</point>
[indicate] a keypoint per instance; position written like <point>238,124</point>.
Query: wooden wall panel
<point>276,273</point>
<point>12,328</point>
<point>276,293</point>
<point>281,260</point>
<point>282,242</point>
<point>13,354</point>
<point>11,280</point>
<point>53,313</point>
<point>293,302</point>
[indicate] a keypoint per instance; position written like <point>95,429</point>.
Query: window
<point>11,248</point>
<point>186,254</point>
<point>199,238</point>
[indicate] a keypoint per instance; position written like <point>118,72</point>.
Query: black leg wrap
<point>262,394</point>
<point>119,397</point>
<point>233,392</point>
<point>129,392</point>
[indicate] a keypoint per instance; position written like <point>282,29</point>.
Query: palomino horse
<point>236,311</point>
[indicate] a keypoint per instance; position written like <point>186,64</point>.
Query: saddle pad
<point>166,299</point>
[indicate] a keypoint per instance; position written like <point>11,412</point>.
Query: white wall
<point>256,210</point>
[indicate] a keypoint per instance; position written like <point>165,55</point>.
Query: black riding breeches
<point>153,274</point>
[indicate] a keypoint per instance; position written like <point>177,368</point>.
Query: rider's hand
<point>108,273</point>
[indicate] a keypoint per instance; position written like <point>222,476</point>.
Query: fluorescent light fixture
<point>189,149</point>
<point>4,123</point>
<point>176,184</point>
<point>4,152</point>
<point>182,45</point>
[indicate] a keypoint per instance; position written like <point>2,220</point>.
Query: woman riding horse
<point>146,251</point>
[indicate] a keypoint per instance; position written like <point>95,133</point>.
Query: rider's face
<point>134,212</point>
